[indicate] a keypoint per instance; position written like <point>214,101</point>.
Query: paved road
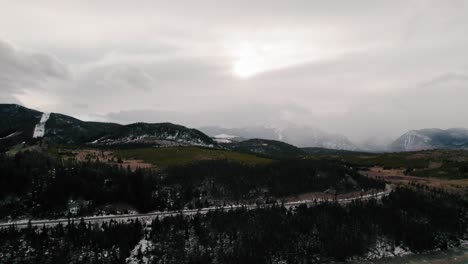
<point>150,216</point>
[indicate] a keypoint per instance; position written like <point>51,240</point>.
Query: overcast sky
<point>357,68</point>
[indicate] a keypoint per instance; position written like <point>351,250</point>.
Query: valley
<point>443,169</point>
<point>233,132</point>
<point>61,174</point>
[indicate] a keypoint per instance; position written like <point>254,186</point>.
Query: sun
<point>252,58</point>
<point>245,67</point>
<point>248,62</point>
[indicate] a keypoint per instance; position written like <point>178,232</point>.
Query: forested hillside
<point>17,124</point>
<point>407,220</point>
<point>43,185</point>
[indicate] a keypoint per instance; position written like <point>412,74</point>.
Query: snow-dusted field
<point>142,247</point>
<point>397,255</point>
<point>39,130</point>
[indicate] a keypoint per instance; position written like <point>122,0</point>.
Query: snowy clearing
<point>39,130</point>
<point>225,136</point>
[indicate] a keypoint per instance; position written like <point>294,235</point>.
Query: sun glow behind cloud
<point>250,59</point>
<point>248,63</point>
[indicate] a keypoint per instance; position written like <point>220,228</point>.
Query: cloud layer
<point>21,71</point>
<point>358,68</point>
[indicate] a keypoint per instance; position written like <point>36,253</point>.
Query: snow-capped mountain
<point>432,138</point>
<point>20,124</point>
<point>301,136</point>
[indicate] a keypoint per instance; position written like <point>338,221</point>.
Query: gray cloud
<point>21,70</point>
<point>254,114</point>
<point>358,68</point>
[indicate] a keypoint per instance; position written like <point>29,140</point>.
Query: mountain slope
<point>18,124</point>
<point>159,133</point>
<point>432,138</point>
<point>66,129</point>
<point>268,148</point>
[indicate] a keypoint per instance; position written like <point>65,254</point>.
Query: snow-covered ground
<point>160,140</point>
<point>222,140</point>
<point>137,255</point>
<point>39,130</point>
<point>225,136</point>
<point>385,253</point>
<point>383,248</point>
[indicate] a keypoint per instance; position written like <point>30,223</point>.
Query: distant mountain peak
<point>431,138</point>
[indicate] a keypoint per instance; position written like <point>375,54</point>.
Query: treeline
<point>224,178</point>
<point>37,184</point>
<point>416,220</point>
<point>108,243</point>
<point>42,185</point>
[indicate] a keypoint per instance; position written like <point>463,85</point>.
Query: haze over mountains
<point>19,124</point>
<point>454,138</point>
<point>301,136</point>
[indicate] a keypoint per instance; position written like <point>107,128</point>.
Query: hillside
<point>17,123</point>
<point>171,156</point>
<point>159,134</point>
<point>66,129</point>
<point>268,148</point>
<point>326,151</point>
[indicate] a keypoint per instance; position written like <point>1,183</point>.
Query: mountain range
<point>301,136</point>
<point>307,137</point>
<point>20,124</point>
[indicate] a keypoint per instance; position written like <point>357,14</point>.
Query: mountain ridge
<point>431,138</point>
<point>267,148</point>
<point>19,124</point>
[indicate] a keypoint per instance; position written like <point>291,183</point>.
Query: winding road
<point>150,216</point>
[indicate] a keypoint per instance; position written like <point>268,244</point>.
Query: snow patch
<point>383,248</point>
<point>222,140</point>
<point>141,247</point>
<point>225,136</point>
<point>39,129</point>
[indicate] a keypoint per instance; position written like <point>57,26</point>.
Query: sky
<point>357,68</point>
